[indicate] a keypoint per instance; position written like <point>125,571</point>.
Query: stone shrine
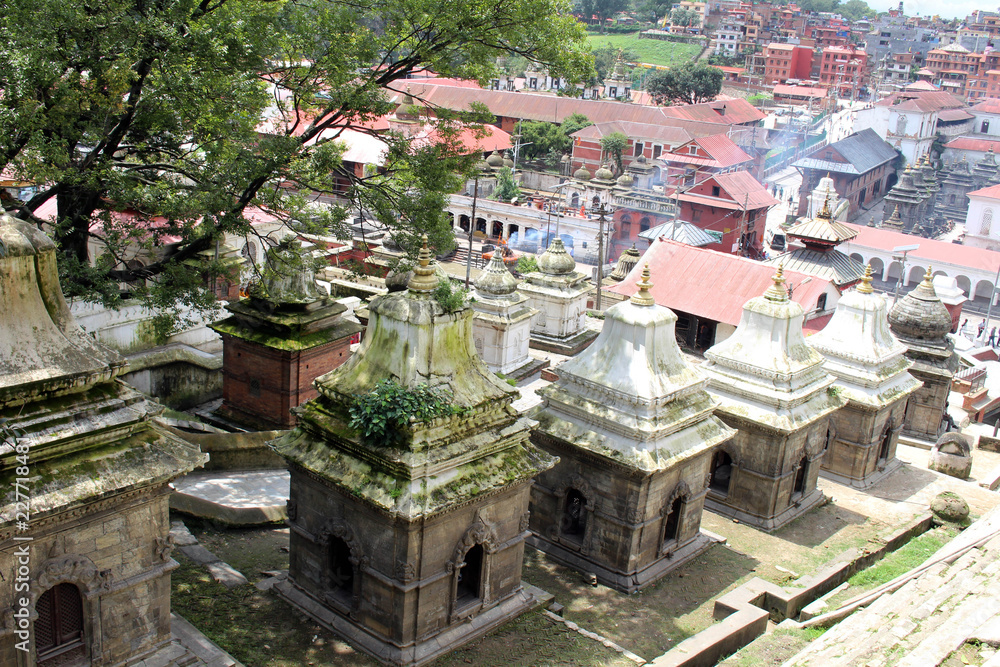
<point>278,341</point>
<point>872,375</point>
<point>817,254</point>
<point>410,543</point>
<point>501,324</point>
<point>773,390</point>
<point>922,323</point>
<point>632,425</point>
<point>825,194</point>
<point>96,469</point>
<point>906,202</point>
<point>559,293</point>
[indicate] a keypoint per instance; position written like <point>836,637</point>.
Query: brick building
<point>843,68</point>
<point>860,166</point>
<point>786,61</point>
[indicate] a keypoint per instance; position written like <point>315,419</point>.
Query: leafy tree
<point>153,109</point>
<point>604,61</point>
<point>856,10</point>
<point>614,146</point>
<point>653,10</point>
<point>573,123</point>
<point>689,83</point>
<point>602,9</point>
<point>507,189</point>
<point>687,18</point>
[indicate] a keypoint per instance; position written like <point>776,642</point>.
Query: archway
<point>964,284</point>
<point>916,274</point>
<point>857,257</point>
<point>574,523</point>
<point>722,470</point>
<point>463,222</point>
<point>496,229</point>
<point>470,577</point>
<point>341,568</point>
<point>984,289</point>
<point>878,267</point>
<point>895,269</point>
<point>800,476</point>
<point>481,225</point>
<point>672,522</point>
<point>59,627</point>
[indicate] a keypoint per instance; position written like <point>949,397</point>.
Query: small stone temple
<point>92,545</point>
<point>501,324</point>
<point>872,375</point>
<point>559,293</point>
<point>922,323</point>
<point>410,543</point>
<point>773,390</point>
<point>278,341</point>
<point>816,252</point>
<point>632,425</point>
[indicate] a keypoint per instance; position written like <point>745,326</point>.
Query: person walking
<point>964,329</point>
<point>982,325</point>
<point>993,337</point>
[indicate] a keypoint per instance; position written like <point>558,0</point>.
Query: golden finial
<point>825,211</point>
<point>777,291</point>
<point>643,297</point>
<point>866,283</point>
<point>423,279</point>
<point>929,276</point>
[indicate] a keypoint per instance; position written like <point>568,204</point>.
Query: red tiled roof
<point>992,192</point>
<point>971,144</point>
<point>989,105</point>
<point>954,114</point>
<point>930,250</point>
<point>668,134</point>
<point>723,153</point>
<point>711,284</point>
<point>802,91</point>
<point>744,188</point>
<point>927,100</point>
<point>737,111</point>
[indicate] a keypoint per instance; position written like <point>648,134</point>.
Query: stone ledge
<point>744,612</point>
<point>569,347</point>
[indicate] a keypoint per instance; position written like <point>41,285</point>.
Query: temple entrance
<point>341,569</point>
<point>672,525</point>
<point>883,448</point>
<point>722,470</point>
<point>800,477</point>
<point>59,627</point>
<point>470,577</point>
<point>575,516</point>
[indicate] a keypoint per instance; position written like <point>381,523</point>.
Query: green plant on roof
<point>450,298</point>
<point>380,415</point>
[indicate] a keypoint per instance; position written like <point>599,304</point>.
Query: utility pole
<point>601,212</point>
<point>472,227</point>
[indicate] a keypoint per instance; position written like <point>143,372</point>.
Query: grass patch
<point>774,648</point>
<point>912,554</point>
<point>652,51</point>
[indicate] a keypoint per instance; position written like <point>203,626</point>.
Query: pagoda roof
<point>833,265</point>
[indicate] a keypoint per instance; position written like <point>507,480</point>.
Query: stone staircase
<point>924,616</point>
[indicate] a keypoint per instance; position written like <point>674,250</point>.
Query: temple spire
<point>777,291</point>
<point>643,297</point>
<point>423,279</point>
<point>866,283</point>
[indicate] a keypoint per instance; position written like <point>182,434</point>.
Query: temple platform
<point>239,498</point>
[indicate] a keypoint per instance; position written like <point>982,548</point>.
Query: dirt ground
<point>262,631</point>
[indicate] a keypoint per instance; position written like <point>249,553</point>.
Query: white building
<point>908,119</point>
<point>982,222</point>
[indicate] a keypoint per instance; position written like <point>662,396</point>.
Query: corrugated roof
<point>799,91</point>
<point>711,284</point>
<point>989,105</point>
<point>682,231</point>
<point>823,229</point>
<point>667,134</point>
<point>922,100</point>
<point>735,111</point>
<point>930,250</point>
<point>992,192</point>
<point>723,150</point>
<point>972,144</point>
<point>863,150</point>
<point>834,266</point>
<point>743,187</point>
<point>951,115</point>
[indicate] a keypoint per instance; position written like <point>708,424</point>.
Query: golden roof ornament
<point>929,277</point>
<point>643,297</point>
<point>777,291</point>
<point>866,283</point>
<point>423,279</point>
<point>825,211</point>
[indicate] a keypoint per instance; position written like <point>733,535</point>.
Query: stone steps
<point>925,620</point>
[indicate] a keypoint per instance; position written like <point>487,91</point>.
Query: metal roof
<point>863,150</point>
<point>684,232</point>
<point>711,284</point>
<point>834,265</point>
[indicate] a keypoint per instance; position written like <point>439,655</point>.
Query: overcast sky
<point>950,9</point>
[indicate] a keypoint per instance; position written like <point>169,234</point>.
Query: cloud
<point>953,9</point>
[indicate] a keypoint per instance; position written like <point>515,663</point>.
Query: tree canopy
<point>601,9</point>
<point>689,83</point>
<point>548,140</point>
<point>687,18</point>
<point>613,146</point>
<point>148,119</point>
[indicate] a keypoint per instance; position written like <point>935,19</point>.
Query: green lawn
<point>654,51</point>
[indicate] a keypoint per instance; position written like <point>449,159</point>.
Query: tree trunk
<point>76,206</point>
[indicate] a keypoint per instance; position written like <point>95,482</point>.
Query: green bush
<point>450,298</point>
<point>527,264</point>
<point>381,413</point>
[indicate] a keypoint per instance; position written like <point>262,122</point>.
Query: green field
<point>653,51</point>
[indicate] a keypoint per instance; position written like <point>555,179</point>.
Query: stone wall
<point>115,552</point>
<point>405,573</point>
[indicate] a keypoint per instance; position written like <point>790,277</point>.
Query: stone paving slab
<point>234,497</point>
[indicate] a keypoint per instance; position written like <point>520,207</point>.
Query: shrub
<point>379,414</point>
<point>450,298</point>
